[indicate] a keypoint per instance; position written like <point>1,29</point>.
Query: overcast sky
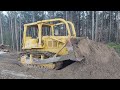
<point>5,12</point>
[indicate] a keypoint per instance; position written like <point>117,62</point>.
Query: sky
<point>5,12</point>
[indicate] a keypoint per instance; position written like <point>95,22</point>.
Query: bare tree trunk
<point>12,31</point>
<point>33,20</point>
<point>66,19</point>
<point>93,25</point>
<point>78,23</point>
<point>1,30</point>
<point>118,27</point>
<point>96,27</point>
<point>53,12</point>
<point>16,33</point>
<point>85,27</point>
<point>20,36</point>
<point>66,14</point>
<point>101,33</point>
<point>110,26</point>
<point>83,19</point>
<point>86,30</point>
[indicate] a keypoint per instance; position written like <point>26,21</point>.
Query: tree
<point>92,25</point>
<point>20,33</point>
<point>1,29</point>
<point>110,26</point>
<point>118,27</point>
<point>16,31</point>
<point>96,26</point>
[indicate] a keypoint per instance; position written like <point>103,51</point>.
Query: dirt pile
<point>96,51</point>
<point>100,61</point>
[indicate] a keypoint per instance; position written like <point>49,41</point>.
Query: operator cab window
<point>46,30</point>
<point>32,31</point>
<point>60,30</point>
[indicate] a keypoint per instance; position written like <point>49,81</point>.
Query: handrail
<point>73,28</point>
<point>67,23</point>
<point>51,20</point>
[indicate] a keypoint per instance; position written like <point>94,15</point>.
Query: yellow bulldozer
<point>48,43</point>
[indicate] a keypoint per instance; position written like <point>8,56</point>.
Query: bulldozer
<point>52,42</point>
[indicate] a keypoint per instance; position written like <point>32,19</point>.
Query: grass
<point>115,46</point>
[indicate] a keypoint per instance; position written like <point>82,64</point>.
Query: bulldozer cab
<point>36,34</point>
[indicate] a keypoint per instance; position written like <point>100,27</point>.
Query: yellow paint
<point>42,57</point>
<point>52,43</point>
<point>31,58</point>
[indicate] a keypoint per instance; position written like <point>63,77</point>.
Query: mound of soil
<point>100,62</point>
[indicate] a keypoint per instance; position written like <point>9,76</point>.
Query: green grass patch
<point>115,46</point>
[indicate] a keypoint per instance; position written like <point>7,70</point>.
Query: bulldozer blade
<point>73,49</point>
<point>72,55</point>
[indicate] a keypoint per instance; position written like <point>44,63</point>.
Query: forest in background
<point>101,26</point>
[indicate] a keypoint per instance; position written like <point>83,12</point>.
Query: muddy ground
<point>101,62</point>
